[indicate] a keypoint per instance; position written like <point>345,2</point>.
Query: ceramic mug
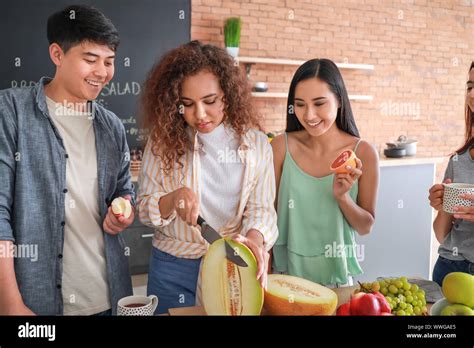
<point>137,305</point>
<point>451,197</point>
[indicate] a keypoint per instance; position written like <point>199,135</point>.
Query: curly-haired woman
<point>204,157</point>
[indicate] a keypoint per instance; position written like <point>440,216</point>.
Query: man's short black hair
<point>78,23</point>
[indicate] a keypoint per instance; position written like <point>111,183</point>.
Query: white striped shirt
<point>256,206</point>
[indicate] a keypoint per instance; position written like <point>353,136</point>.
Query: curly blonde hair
<point>162,91</point>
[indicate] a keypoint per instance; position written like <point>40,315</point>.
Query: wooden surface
<point>343,295</point>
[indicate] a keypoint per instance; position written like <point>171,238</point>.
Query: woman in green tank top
<point>318,211</point>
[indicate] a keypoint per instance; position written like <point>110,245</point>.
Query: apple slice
<point>121,207</point>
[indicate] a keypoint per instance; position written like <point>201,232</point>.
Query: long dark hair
<point>327,71</point>
<point>469,139</point>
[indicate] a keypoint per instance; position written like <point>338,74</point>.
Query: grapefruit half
<point>345,158</point>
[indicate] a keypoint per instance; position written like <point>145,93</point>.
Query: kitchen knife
<point>211,235</point>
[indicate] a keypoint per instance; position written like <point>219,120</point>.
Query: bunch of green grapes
<point>404,298</point>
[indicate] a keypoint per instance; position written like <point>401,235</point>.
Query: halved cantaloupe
<point>289,295</point>
<point>228,289</point>
<point>346,158</point>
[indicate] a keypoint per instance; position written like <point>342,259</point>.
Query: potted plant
<point>232,35</point>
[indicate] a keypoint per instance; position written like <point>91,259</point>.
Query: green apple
<point>457,309</point>
<point>458,287</point>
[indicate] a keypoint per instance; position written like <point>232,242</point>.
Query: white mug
<point>137,305</point>
<point>451,197</point>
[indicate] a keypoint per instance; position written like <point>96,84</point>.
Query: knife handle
<point>200,220</point>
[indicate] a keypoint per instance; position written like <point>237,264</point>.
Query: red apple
<point>344,309</point>
<point>365,304</point>
<point>384,306</point>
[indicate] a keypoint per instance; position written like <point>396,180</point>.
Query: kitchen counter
<point>343,296</point>
<point>409,160</point>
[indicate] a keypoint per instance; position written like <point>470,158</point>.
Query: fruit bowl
<point>438,306</point>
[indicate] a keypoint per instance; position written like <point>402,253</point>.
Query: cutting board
<point>196,310</point>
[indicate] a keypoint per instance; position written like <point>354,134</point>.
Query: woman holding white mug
<point>455,232</point>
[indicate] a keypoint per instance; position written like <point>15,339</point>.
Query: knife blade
<point>211,235</point>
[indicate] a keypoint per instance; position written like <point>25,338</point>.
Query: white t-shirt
<point>84,284</point>
<point>222,174</point>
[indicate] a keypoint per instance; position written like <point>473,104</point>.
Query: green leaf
<point>232,31</point>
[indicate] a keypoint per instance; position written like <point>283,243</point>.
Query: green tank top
<point>315,240</point>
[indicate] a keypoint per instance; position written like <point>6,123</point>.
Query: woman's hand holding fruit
<point>344,181</point>
<point>255,242</point>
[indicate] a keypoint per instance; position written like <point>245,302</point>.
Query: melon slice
<point>121,207</point>
<point>289,295</point>
<point>346,158</point>
<point>228,289</point>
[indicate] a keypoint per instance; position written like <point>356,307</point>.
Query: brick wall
<point>421,51</point>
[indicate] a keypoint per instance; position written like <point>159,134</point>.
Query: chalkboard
<point>147,29</point>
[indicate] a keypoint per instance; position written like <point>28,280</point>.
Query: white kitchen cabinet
<point>400,241</point>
